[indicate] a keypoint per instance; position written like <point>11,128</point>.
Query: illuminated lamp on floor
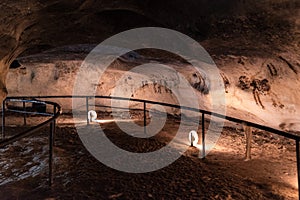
<point>193,138</point>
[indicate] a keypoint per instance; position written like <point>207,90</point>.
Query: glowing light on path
<point>193,138</point>
<point>92,116</point>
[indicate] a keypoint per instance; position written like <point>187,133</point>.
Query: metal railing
<point>289,135</point>
<point>31,131</point>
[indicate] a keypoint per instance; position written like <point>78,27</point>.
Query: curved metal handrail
<point>52,121</point>
<point>229,118</point>
<point>32,130</point>
<point>204,112</point>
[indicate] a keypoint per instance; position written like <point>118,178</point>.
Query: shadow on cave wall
<point>63,22</point>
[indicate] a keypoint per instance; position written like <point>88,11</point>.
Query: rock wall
<point>256,29</point>
<point>54,73</point>
<point>263,90</point>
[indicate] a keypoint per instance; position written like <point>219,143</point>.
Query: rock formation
<point>246,33</point>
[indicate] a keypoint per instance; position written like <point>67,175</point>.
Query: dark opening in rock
<point>15,64</point>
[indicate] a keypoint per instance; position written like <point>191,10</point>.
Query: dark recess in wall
<point>15,64</point>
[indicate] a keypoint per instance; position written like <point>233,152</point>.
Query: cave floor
<point>223,174</point>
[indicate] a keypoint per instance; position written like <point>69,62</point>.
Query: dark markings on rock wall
<point>289,64</point>
<point>32,76</point>
<point>226,82</point>
<point>200,84</point>
<point>158,86</point>
<point>272,69</point>
<point>244,82</point>
<point>257,86</point>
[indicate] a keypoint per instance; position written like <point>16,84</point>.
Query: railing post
<point>203,135</point>
<point>87,110</point>
<point>24,116</point>
<point>298,165</point>
<point>248,134</point>
<point>145,118</point>
<point>51,137</point>
<point>3,118</point>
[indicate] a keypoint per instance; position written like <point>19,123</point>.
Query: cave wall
<point>31,26</point>
<point>258,89</point>
<point>57,71</point>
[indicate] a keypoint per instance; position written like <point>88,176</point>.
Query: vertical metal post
<point>24,116</point>
<point>298,165</point>
<point>145,119</point>
<point>3,118</point>
<point>51,134</point>
<point>54,109</point>
<point>53,137</point>
<point>248,134</point>
<point>87,110</point>
<point>203,135</point>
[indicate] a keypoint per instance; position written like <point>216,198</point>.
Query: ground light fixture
<point>193,138</point>
<point>92,116</point>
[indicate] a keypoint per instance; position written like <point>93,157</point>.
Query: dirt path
<point>271,174</point>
